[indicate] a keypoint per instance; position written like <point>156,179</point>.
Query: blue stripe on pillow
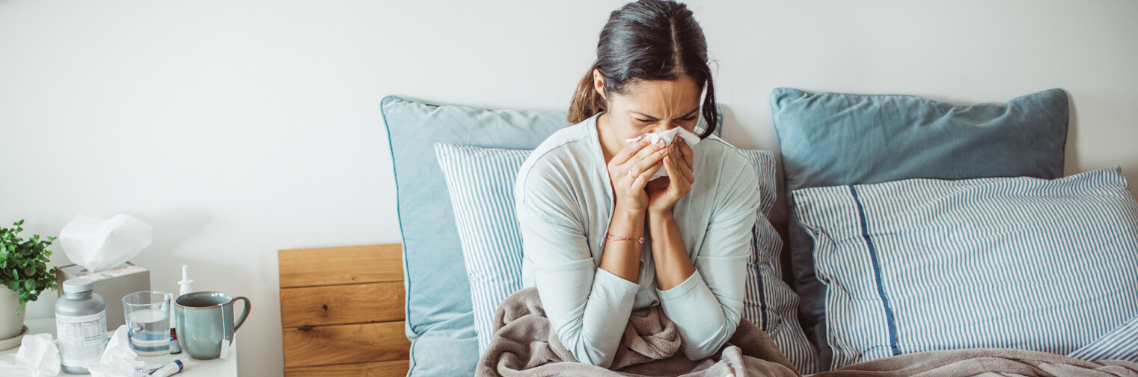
<point>987,263</point>
<point>877,274</point>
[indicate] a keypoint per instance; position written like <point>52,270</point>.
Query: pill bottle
<point>81,325</point>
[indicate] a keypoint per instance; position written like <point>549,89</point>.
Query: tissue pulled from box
<point>37,353</point>
<point>101,244</point>
<point>668,137</point>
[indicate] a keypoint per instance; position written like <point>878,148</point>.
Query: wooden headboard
<point>342,311</point>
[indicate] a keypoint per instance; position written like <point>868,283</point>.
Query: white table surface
<point>193,367</point>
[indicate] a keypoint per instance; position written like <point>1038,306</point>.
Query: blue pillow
<point>923,265</point>
<point>481,183</point>
<point>830,139</point>
<point>440,322</point>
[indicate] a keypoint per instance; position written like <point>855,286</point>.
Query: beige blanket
<point>524,346</point>
<point>985,362</point>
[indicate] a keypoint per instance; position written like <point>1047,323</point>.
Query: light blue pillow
<point>440,321</point>
<point>922,265</point>
<point>830,139</point>
<point>481,182</point>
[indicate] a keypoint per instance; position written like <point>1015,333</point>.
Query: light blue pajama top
<point>564,204</point>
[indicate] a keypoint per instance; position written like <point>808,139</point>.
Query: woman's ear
<point>599,83</point>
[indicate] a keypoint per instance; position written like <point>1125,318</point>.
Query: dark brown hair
<point>647,40</point>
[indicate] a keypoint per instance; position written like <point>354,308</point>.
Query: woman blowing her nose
<point>603,240</point>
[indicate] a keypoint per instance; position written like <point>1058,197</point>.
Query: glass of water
<point>148,320</point>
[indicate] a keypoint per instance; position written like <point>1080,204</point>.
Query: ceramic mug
<point>206,322</point>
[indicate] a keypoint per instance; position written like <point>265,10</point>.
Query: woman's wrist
<point>629,214</point>
<point>659,216</point>
<point>627,223</point>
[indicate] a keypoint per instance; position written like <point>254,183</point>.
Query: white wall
<point>237,128</point>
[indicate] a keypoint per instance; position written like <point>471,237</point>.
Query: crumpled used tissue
<point>118,360</point>
<point>37,353</point>
<point>667,136</point>
<point>101,244</point>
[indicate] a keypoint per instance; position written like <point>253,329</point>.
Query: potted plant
<point>24,275</point>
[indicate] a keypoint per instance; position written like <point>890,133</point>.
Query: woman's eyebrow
<point>690,113</point>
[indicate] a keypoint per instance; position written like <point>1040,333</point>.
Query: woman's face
<point>653,106</point>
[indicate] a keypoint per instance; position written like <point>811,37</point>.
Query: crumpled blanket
<point>524,345</point>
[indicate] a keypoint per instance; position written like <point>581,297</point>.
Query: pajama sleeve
<point>588,308</point>
<point>708,305</point>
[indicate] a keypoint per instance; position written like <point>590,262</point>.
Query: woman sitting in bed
<point>602,239</point>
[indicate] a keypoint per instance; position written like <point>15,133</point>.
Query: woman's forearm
<point>622,258</point>
<point>673,264</point>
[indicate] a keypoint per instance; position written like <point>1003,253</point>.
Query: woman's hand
<point>630,171</point>
<point>663,193</point>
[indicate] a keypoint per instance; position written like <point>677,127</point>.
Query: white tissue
<point>667,136</point>
<point>117,360</point>
<point>37,353</point>
<point>101,244</point>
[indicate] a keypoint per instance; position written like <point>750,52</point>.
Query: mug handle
<point>244,314</point>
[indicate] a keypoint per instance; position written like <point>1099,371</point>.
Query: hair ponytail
<point>586,101</point>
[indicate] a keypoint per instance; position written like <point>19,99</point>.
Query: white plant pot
<point>11,324</point>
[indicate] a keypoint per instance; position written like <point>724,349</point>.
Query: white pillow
<point>922,265</point>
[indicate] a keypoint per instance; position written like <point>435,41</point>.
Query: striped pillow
<point>922,265</point>
<point>769,303</point>
<point>1120,344</point>
<point>481,182</point>
<point>481,186</point>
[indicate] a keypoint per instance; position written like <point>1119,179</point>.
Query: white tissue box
<point>112,285</point>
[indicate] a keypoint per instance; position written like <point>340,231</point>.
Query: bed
<point>895,169</point>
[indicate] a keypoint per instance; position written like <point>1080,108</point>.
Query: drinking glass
<point>148,320</point>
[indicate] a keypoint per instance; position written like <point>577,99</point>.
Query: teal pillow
<point>830,139</point>
<point>440,323</point>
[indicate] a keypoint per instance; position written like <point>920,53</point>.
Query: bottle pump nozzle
<point>186,283</point>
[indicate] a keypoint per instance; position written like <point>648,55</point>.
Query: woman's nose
<point>665,126</point>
